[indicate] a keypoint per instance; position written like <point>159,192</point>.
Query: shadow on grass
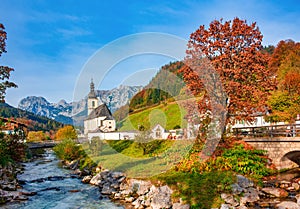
<point>199,190</point>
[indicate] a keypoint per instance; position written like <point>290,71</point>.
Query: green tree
<point>143,140</point>
<point>4,70</point>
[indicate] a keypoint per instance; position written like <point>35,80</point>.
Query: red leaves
<point>234,50</point>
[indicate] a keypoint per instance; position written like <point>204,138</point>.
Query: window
<point>93,103</point>
<point>158,133</point>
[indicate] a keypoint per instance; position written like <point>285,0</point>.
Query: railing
<point>286,130</point>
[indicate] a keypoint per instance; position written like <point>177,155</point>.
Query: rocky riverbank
<point>135,193</point>
<point>9,184</point>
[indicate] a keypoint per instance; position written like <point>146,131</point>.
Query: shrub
<point>12,148</point>
<point>68,150</point>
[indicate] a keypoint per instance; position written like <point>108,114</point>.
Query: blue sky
<point>51,41</point>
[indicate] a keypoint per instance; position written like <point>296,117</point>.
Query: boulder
<point>129,199</point>
<point>117,175</point>
<point>225,206</point>
<point>242,207</point>
<point>86,179</point>
<point>139,187</point>
<point>162,198</point>
<point>228,198</point>
<point>96,180</point>
<point>251,195</point>
<point>277,192</point>
<point>180,206</point>
<point>107,190</point>
<point>244,182</point>
<point>296,186</point>
<point>298,198</point>
<point>236,189</point>
<point>287,205</point>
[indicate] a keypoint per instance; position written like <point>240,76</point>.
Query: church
<point>99,118</point>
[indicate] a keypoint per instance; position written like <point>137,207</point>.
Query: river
<point>56,187</point>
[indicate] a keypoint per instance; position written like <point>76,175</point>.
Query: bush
<point>240,160</point>
<point>68,150</point>
<point>12,148</point>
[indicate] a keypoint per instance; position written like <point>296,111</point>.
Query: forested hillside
<point>34,122</point>
<point>166,84</point>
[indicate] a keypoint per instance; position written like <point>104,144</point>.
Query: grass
<point>167,115</point>
<point>126,156</point>
<point>198,190</point>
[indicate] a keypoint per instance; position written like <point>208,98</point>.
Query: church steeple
<point>92,93</point>
<point>92,98</point>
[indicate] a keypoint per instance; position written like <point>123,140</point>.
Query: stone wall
<point>277,149</point>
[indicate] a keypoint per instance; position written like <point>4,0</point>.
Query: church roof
<point>101,111</point>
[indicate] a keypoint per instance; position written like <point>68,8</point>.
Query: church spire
<point>92,93</point>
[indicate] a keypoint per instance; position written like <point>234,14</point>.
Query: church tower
<point>92,98</point>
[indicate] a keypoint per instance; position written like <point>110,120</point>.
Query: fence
<point>286,130</point>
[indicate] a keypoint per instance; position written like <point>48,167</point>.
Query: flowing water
<point>56,187</point>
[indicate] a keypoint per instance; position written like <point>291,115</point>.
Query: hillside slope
<point>34,122</point>
<point>166,84</point>
<point>168,115</point>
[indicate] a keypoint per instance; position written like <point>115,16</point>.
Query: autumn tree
<point>4,70</point>
<point>67,132</point>
<point>37,136</point>
<point>285,101</point>
<point>226,66</point>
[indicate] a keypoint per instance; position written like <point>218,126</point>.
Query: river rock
<point>96,180</point>
<point>117,175</point>
<point>250,196</point>
<point>242,207</point>
<point>277,192</point>
<point>298,198</point>
<point>225,206</point>
<point>244,182</point>
<point>228,198</point>
<point>139,187</point>
<point>161,198</point>
<point>107,190</point>
<point>296,186</point>
<point>86,179</point>
<point>129,199</point>
<point>180,206</point>
<point>27,193</point>
<point>236,189</point>
<point>287,205</point>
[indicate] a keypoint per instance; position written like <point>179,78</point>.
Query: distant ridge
<point>76,112</point>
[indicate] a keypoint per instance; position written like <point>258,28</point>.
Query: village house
<point>9,126</point>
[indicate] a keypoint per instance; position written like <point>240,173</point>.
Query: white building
<point>99,117</point>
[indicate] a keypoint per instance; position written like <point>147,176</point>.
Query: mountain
<point>34,122</point>
<point>75,112</point>
<point>60,112</point>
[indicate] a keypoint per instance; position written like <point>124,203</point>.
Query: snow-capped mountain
<point>75,112</point>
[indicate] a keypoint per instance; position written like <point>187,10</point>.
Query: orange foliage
<point>67,132</point>
<point>228,57</point>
